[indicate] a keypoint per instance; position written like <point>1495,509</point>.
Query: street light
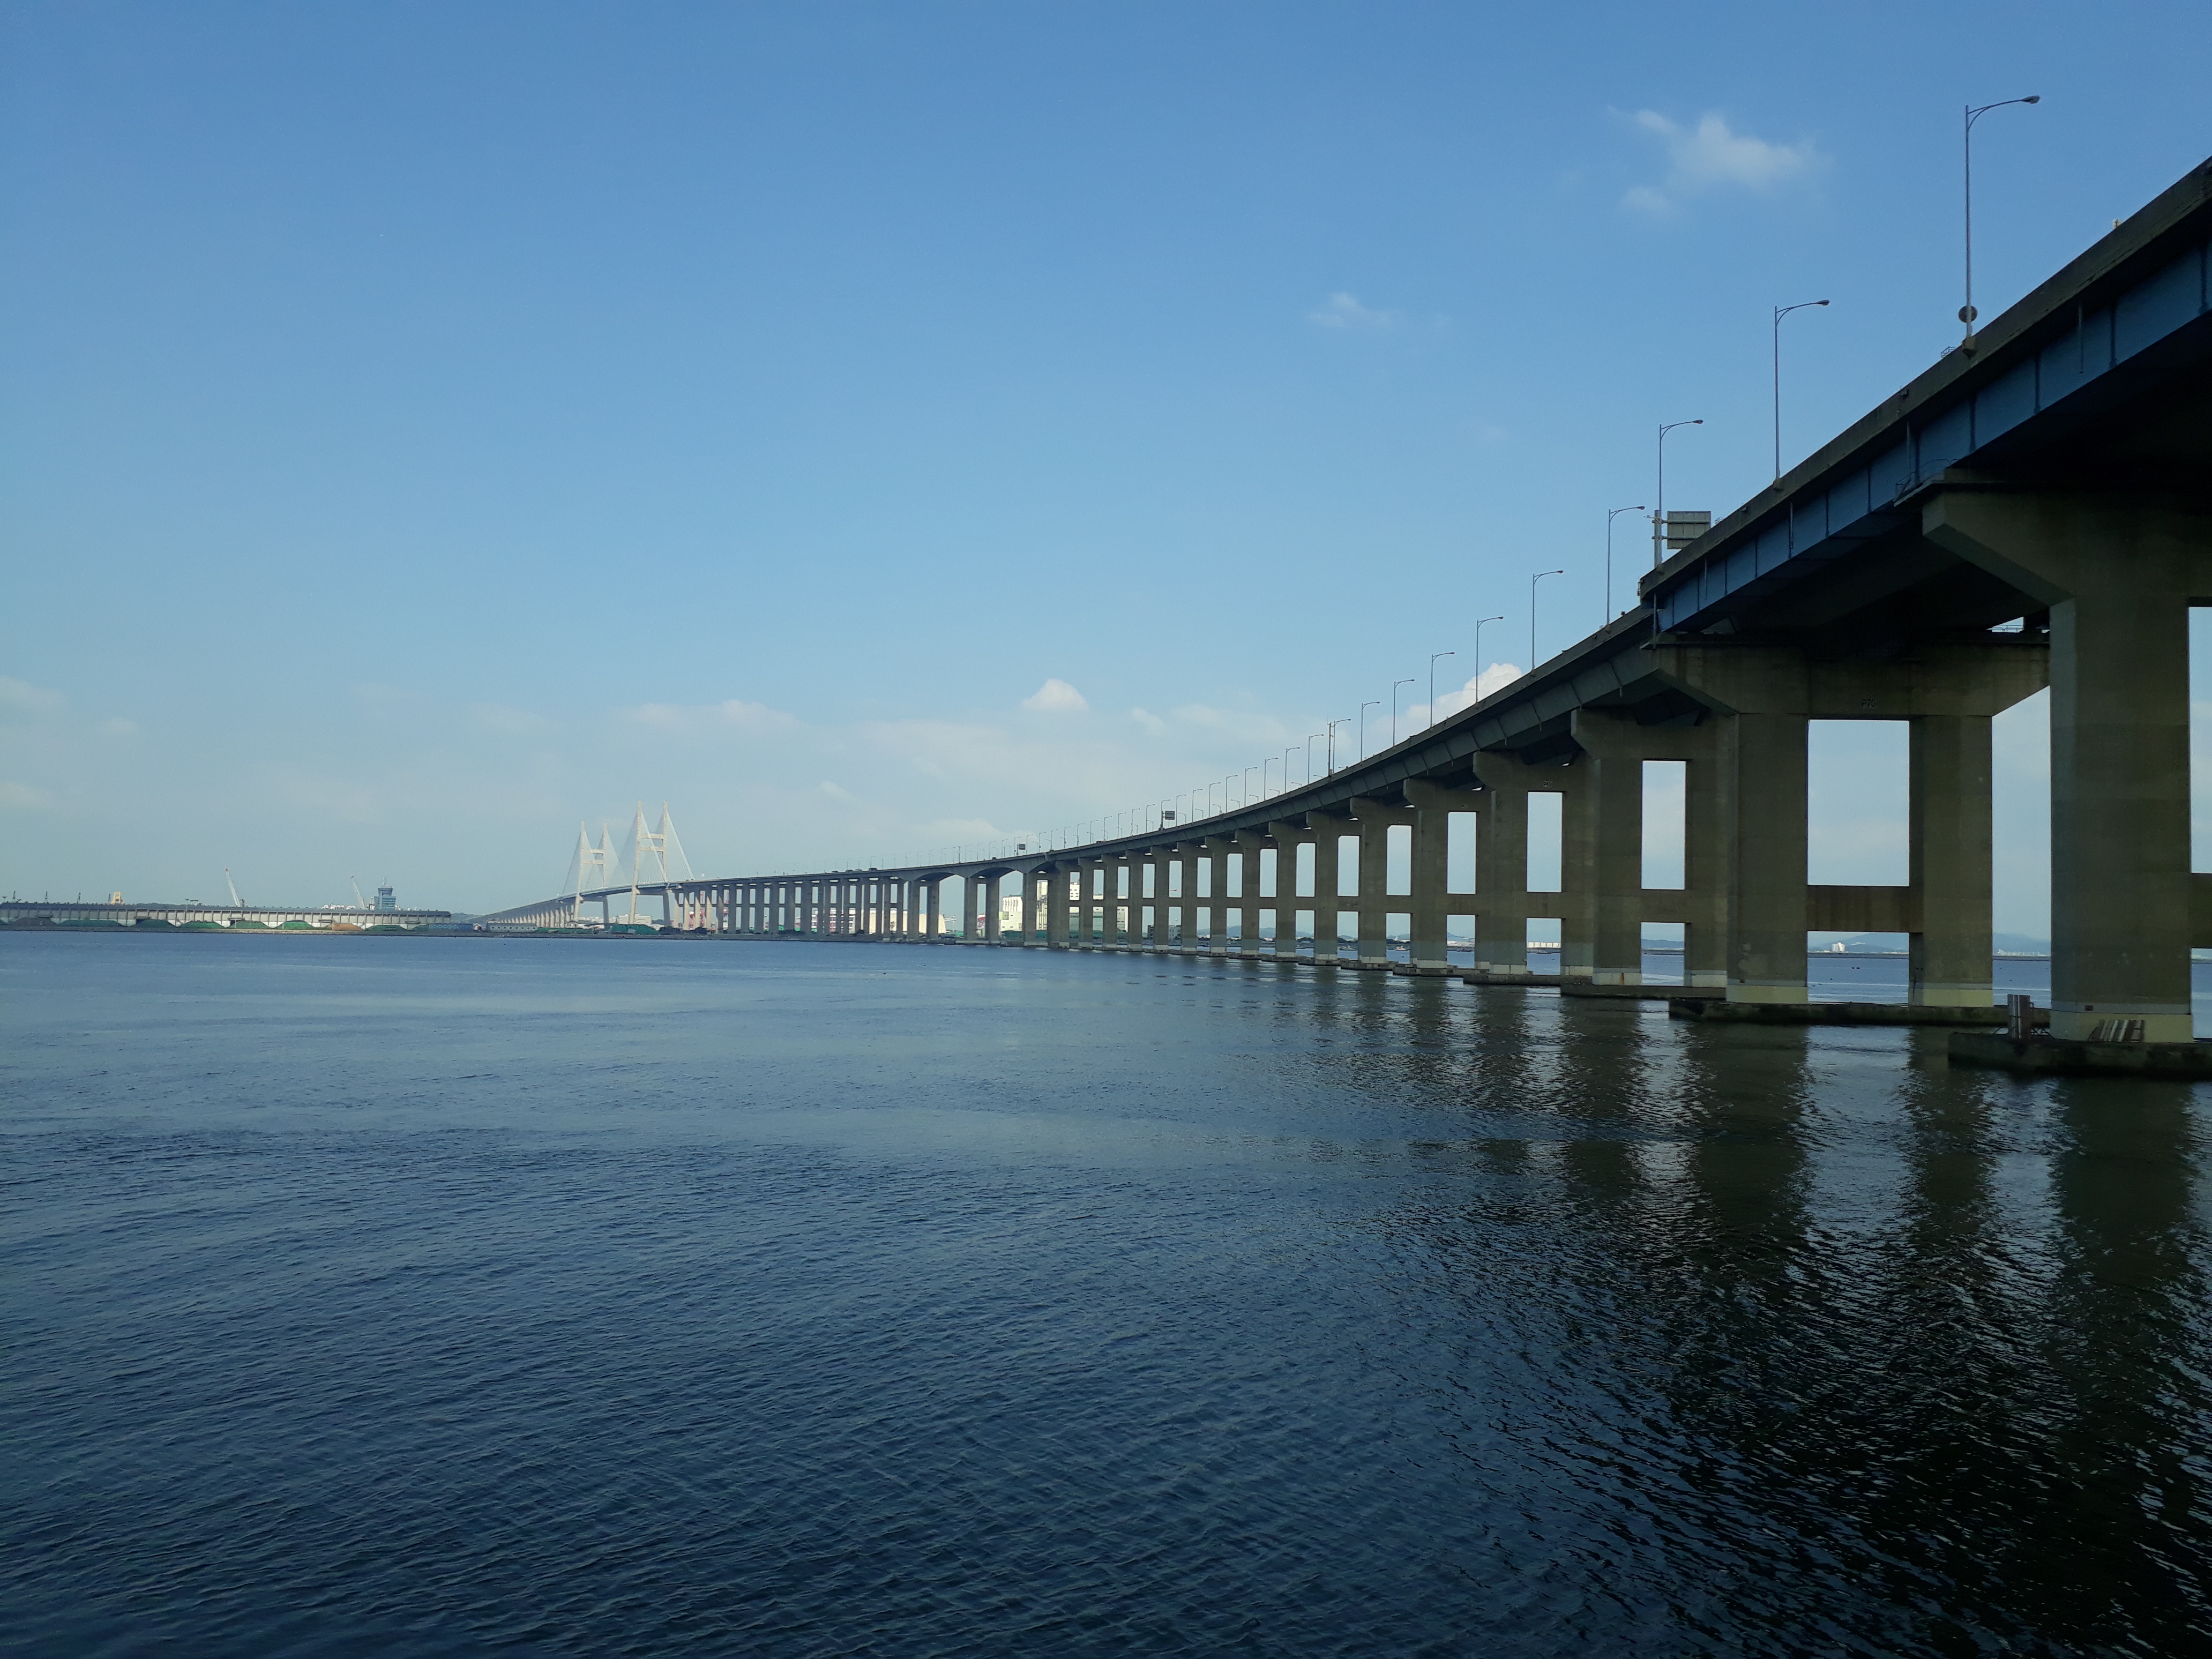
<point>1433,655</point>
<point>1480,622</point>
<point>1533,580</point>
<point>1264,765</point>
<point>1330,748</point>
<point>1780,311</point>
<point>1248,771</point>
<point>1611,514</point>
<point>1310,744</point>
<point>1372,702</point>
<point>1659,513</point>
<point>1966,312</point>
<point>1394,684</point>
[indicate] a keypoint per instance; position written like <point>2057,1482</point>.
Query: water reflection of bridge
<point>2031,511</point>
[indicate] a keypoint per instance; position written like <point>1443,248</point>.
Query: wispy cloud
<point>1344,310</point>
<point>1056,697</point>
<point>735,715</point>
<point>1711,155</point>
<point>21,698</point>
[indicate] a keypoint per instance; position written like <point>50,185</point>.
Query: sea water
<point>451,1295</point>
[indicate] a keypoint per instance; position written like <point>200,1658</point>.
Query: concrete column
<point>1288,838</point>
<point>1028,907</point>
<point>1056,934</point>
<point>1578,868</point>
<point>1432,872</point>
<point>1613,806</point>
<point>1249,849</point>
<point>1327,832</point>
<point>1765,756</point>
<point>1193,854</point>
<point>993,891</point>
<point>2118,573</point>
<point>1220,860</point>
<point>1162,860</point>
<point>1501,863</point>
<point>1707,814</point>
<point>1374,820</point>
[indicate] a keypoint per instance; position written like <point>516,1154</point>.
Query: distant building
<point>385,901</point>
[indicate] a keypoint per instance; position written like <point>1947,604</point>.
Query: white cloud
<point>1152,723</point>
<point>498,720</point>
<point>1498,675</point>
<point>1055,696</point>
<point>734,714</point>
<point>1711,155</point>
<point>24,797</point>
<point>1344,310</point>
<point>21,696</point>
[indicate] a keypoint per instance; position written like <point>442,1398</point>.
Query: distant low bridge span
<point>2034,510</point>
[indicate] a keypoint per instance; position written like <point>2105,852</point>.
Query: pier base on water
<point>1662,992</point>
<point>1838,1013</point>
<point>2070,1057</point>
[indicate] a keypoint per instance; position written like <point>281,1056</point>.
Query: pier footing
<point>1836,1013</point>
<point>1579,987</point>
<point>2055,1057</point>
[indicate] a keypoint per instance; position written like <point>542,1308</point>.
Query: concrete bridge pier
<point>1327,831</point>
<point>1765,776</point>
<point>1501,864</point>
<point>1432,805</point>
<point>1248,848</point>
<point>1288,837</point>
<point>1764,698</point>
<point>1614,804</point>
<point>1056,908</point>
<point>1217,854</point>
<point>1375,819</point>
<point>2119,574</point>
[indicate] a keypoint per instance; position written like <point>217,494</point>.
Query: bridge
<point>246,918</point>
<point>2031,511</point>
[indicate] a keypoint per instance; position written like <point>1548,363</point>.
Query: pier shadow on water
<point>447,1296</point>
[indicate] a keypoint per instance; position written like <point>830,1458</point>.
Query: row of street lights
<point>1659,534</point>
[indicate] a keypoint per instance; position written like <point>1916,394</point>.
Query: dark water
<point>403,1296</point>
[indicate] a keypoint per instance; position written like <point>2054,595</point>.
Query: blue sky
<point>422,427</point>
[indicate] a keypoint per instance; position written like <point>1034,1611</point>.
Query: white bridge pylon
<point>653,857</point>
<point>666,852</point>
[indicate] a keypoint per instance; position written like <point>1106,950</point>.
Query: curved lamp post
<point>1611,514</point>
<point>1659,512</point>
<point>1780,311</point>
<point>1533,580</point>
<point>1966,312</point>
<point>1480,622</point>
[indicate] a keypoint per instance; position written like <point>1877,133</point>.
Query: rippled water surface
<point>403,1297</point>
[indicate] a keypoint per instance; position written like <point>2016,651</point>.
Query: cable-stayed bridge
<point>2034,510</point>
